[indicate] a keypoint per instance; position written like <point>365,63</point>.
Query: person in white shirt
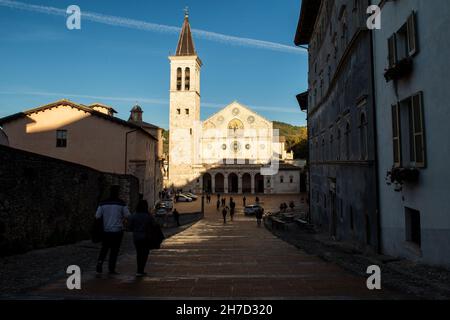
<point>114,213</point>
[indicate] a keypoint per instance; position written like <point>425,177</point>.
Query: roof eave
<point>305,27</point>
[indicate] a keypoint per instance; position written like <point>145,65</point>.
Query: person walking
<point>224,214</point>
<point>176,216</point>
<point>218,204</point>
<point>140,224</point>
<point>224,201</point>
<point>244,200</point>
<point>259,215</point>
<point>232,209</point>
<point>257,199</point>
<point>114,213</point>
<point>292,205</point>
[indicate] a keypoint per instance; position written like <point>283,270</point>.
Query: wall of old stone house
<point>46,202</point>
<point>343,192</point>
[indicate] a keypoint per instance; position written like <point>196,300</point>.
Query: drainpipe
<point>377,168</point>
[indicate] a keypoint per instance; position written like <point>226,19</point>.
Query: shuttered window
<point>417,134</point>
<point>392,51</point>
<point>396,135</point>
<point>412,34</point>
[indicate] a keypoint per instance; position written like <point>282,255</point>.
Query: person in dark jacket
<point>140,224</point>
<point>259,215</point>
<point>224,214</point>
<point>232,209</point>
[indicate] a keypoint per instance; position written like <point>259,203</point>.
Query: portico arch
<point>246,183</point>
<point>207,183</point>
<point>233,183</point>
<point>219,183</point>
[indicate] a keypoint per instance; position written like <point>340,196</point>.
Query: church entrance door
<point>233,183</point>
<point>219,183</point>
<point>246,183</point>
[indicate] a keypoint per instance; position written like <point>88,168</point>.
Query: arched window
<point>179,71</point>
<point>235,128</point>
<point>347,141</point>
<point>187,79</point>
<point>363,136</point>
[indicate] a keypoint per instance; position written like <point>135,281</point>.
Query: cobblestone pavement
<point>214,260</point>
<point>22,273</point>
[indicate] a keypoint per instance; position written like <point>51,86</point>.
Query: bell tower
<point>184,114</point>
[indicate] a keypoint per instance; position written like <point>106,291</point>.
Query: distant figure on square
<point>218,204</point>
<point>224,214</point>
<point>140,224</point>
<point>244,200</point>
<point>259,215</point>
<point>114,213</point>
<point>232,208</point>
<point>292,205</point>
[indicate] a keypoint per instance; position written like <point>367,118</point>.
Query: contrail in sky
<point>152,101</point>
<point>161,28</point>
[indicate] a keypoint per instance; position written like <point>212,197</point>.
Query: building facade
<point>233,151</point>
<point>91,136</point>
<point>341,129</point>
<point>411,53</point>
<point>3,138</point>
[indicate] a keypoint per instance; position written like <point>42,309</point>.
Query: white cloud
<point>148,26</point>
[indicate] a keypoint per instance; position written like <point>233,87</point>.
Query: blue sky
<point>42,61</point>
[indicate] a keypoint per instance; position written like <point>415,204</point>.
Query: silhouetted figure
<point>292,205</point>
<point>232,209</point>
<point>224,214</point>
<point>114,212</point>
<point>244,200</point>
<point>218,204</point>
<point>259,215</point>
<point>257,199</point>
<point>140,224</point>
<point>176,216</point>
<point>224,201</point>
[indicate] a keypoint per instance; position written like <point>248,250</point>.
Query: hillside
<point>296,138</point>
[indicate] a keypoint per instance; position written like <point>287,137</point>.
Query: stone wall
<point>47,202</point>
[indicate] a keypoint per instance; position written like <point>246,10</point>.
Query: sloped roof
<point>185,43</point>
<point>235,104</point>
<point>101,105</point>
<point>77,106</point>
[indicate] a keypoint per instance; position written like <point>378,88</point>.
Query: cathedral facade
<point>233,151</point>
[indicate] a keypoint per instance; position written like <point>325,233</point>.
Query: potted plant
<point>399,176</point>
<point>399,69</point>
